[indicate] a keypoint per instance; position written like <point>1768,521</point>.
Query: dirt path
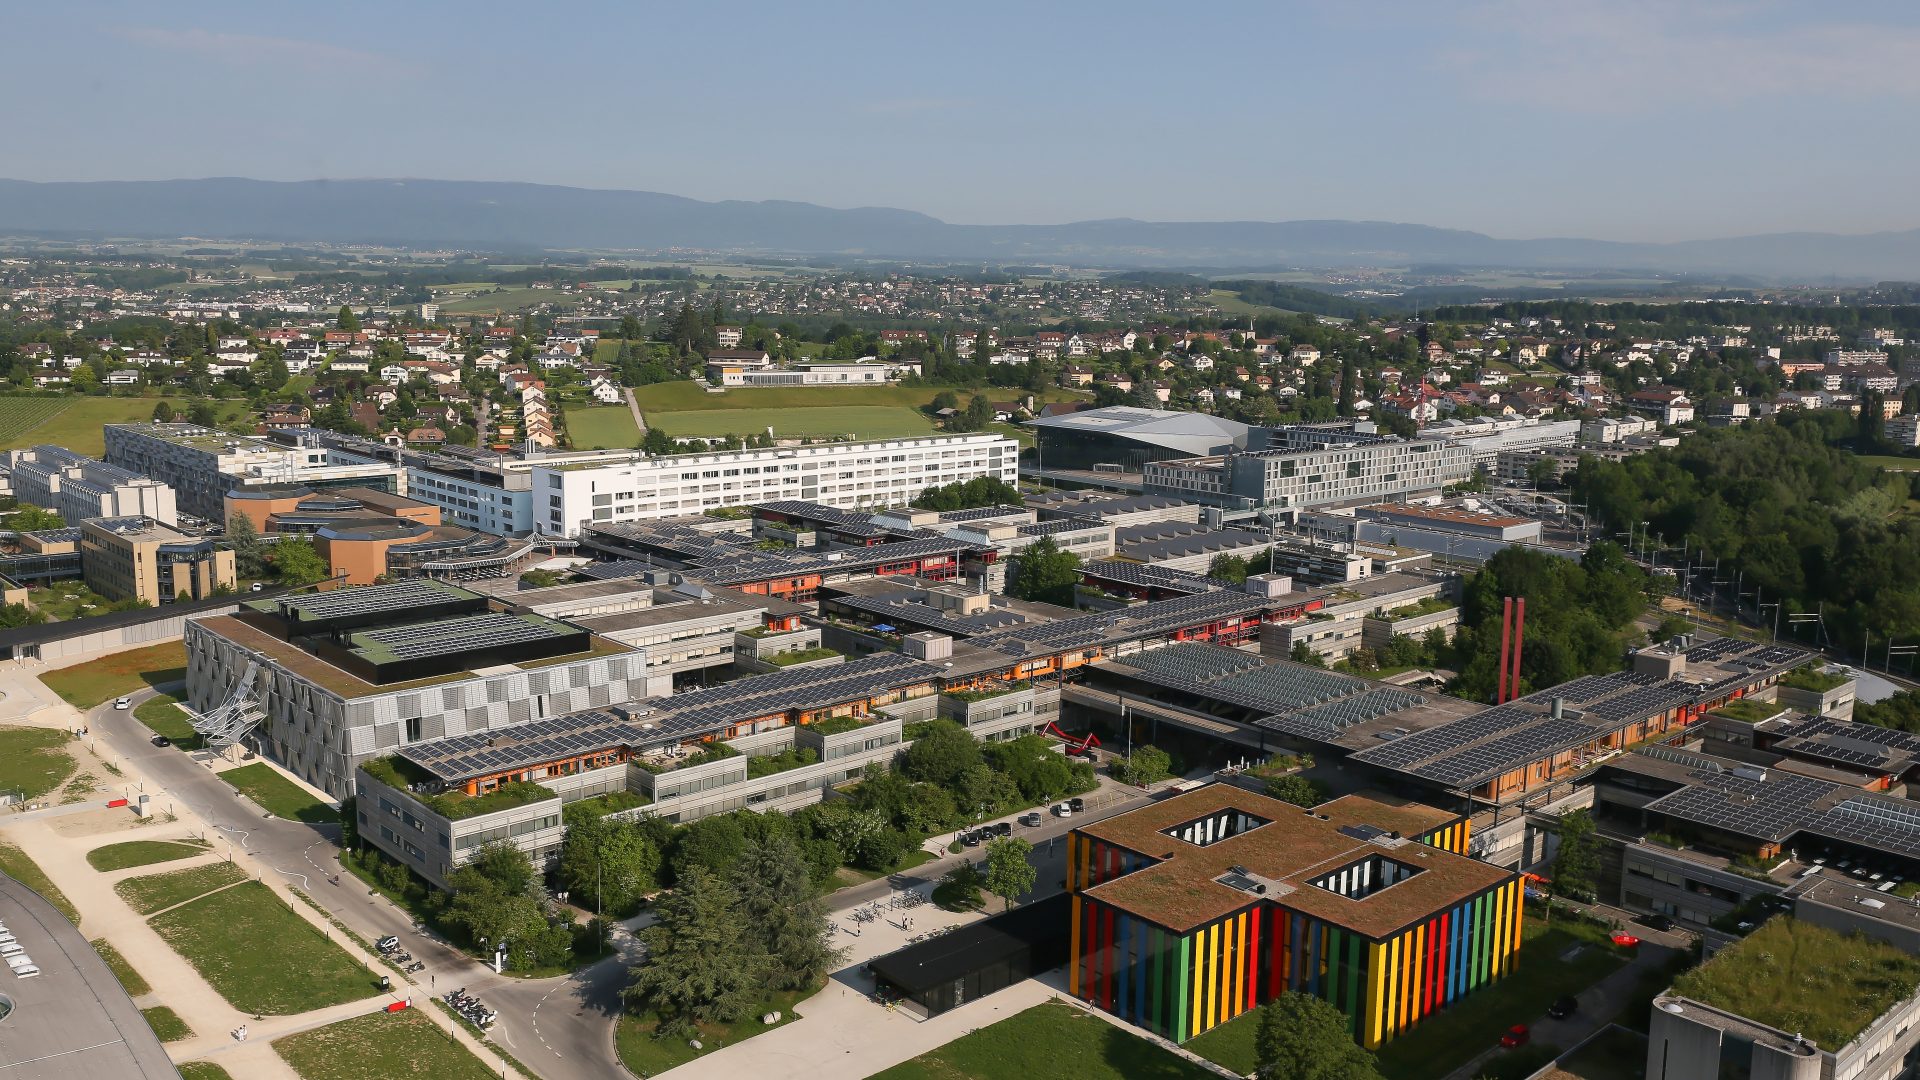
<point>638,421</point>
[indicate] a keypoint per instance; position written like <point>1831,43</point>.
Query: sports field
<point>74,422</point>
<point>865,421</point>
<point>606,426</point>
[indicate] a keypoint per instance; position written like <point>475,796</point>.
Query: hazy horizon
<point>1623,121</point>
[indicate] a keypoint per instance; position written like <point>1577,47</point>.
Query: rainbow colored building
<point>1191,911</point>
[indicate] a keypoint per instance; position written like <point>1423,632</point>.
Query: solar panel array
<point>1773,808</point>
<point>1802,736</point>
<point>900,607</point>
<point>483,753</point>
<point>374,599</point>
<point>1150,576</point>
<point>493,630</point>
<point>1681,757</point>
<point>1640,702</point>
<point>844,521</point>
<point>744,565</point>
<point>615,569</point>
<point>1405,752</point>
<point>1329,720</point>
<point>1135,623</point>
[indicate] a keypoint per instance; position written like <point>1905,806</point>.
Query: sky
<point>1619,120</point>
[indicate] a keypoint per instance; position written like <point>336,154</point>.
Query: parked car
<point>123,704</point>
<point>1030,820</point>
<point>1563,1007</point>
<point>255,587</point>
<point>1517,1035</point>
<point>161,740</point>
<point>1062,809</point>
<point>971,839</point>
<point>1656,922</point>
<point>1001,828</point>
<point>1078,804</point>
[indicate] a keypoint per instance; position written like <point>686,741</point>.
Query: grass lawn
<point>378,1047</point>
<point>74,422</point>
<point>167,1024</point>
<point>853,875</point>
<point>154,892</point>
<point>607,427</point>
<point>645,1055</point>
<point>506,300</point>
<point>142,853</point>
<point>1797,976</point>
<point>865,421</point>
<point>202,1070</point>
<point>1230,303</point>
<point>33,761</point>
<point>1887,461</point>
<point>1054,1041</point>
<point>261,957</point>
<point>88,684</point>
<point>163,716</point>
<point>278,795</point>
<point>687,396</point>
<point>63,600</point>
<point>15,864</point>
<point>1450,1038</point>
<point>129,978</point>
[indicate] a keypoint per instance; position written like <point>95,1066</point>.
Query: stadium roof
<point>1195,433</point>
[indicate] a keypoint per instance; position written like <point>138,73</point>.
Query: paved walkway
<point>638,420</point>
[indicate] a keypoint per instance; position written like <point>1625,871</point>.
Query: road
<point>559,1027</point>
<point>638,420</point>
<point>562,1028</point>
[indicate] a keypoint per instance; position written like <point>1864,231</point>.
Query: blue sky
<point>1516,118</point>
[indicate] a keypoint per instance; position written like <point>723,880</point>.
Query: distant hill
<point>487,216</point>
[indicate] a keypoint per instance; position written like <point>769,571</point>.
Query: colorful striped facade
<point>1181,984</point>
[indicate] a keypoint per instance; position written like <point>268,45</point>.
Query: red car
<point>1517,1035</point>
<point>1624,939</point>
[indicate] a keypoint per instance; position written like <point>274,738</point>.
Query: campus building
<point>1305,468</point>
<point>1194,910</point>
<point>78,487</point>
<point>321,682</point>
<point>1125,438</point>
<point>138,558</point>
<point>202,465</point>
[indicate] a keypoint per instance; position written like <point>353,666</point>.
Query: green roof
<point>1795,976</point>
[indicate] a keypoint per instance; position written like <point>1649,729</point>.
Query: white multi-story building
<point>1311,468</point>
<point>77,487</point>
<point>202,465</point>
<point>879,473</point>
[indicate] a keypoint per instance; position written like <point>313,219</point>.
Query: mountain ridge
<point>495,215</point>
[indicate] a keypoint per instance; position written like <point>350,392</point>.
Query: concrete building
<point>1489,436</point>
<point>138,558</point>
<point>737,373</point>
<point>78,487</point>
<point>1454,519</point>
<point>202,465</point>
<point>1901,431</point>
<point>1338,469</point>
<point>874,474</point>
<point>332,679</point>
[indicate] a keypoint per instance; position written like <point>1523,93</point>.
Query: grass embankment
<point>86,685</point>
<point>157,892</point>
<point>143,853</point>
<point>379,1046</point>
<point>166,1024</point>
<point>1054,1041</point>
<point>15,864</point>
<point>34,761</point>
<point>75,422</point>
<point>278,795</point>
<point>162,716</point>
<point>644,1054</point>
<point>601,427</point>
<point>261,956</point>
<point>202,1070</point>
<point>130,980</point>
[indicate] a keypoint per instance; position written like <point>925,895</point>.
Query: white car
<point>123,703</point>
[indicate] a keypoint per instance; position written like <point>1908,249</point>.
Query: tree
<point>33,519</point>
<point>163,413</point>
<point>297,563</point>
<point>969,494</point>
<point>249,558</point>
<point>1302,653</point>
<point>608,865</point>
<point>784,914</point>
<point>1296,789</point>
<point>1577,864</point>
<point>941,754</point>
<point>1146,765</point>
<point>1228,567</point>
<point>1044,573</point>
<point>1304,1038</point>
<point>701,966</point>
<point>203,414</point>
<point>347,320</point>
<point>1010,872</point>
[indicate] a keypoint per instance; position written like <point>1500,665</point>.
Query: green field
<point>506,300</point>
<point>646,1054</point>
<point>74,422</point>
<point>683,396</point>
<point>166,1024</point>
<point>156,892</point>
<point>88,684</point>
<point>162,716</point>
<point>1054,1041</point>
<point>864,421</point>
<point>15,864</point>
<point>1230,303</point>
<point>608,427</point>
<point>33,761</point>
<point>1896,464</point>
<point>143,853</point>
<point>380,1046</point>
<point>123,971</point>
<point>203,1070</point>
<point>264,959</point>
<point>278,795</point>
